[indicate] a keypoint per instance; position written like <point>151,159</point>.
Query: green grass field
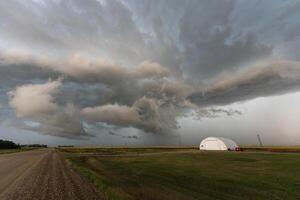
<point>190,174</point>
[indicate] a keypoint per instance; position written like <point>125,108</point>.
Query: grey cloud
<point>151,61</point>
<point>112,114</point>
<point>66,122</point>
<point>36,101</point>
<point>214,112</point>
<point>84,68</point>
<point>133,83</point>
<point>32,100</point>
<point>198,39</point>
<point>120,85</point>
<point>146,113</point>
<point>132,137</point>
<point>124,136</point>
<point>112,133</point>
<point>275,78</point>
<point>65,26</point>
<point>211,46</point>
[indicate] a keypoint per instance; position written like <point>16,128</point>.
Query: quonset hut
<point>218,144</point>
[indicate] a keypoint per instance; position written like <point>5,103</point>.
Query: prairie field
<point>175,173</point>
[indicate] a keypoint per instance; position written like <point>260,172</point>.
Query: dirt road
<point>41,174</point>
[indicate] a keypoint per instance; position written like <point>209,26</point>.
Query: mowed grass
<point>193,175</point>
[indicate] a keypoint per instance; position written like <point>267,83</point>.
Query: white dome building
<point>218,144</point>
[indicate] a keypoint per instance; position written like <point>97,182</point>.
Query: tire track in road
<point>41,175</point>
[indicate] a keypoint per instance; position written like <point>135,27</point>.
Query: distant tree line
<point>6,144</point>
<point>61,146</point>
<point>35,145</point>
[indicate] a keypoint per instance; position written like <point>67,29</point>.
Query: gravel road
<point>41,174</point>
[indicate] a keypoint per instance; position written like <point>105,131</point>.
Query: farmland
<point>174,173</point>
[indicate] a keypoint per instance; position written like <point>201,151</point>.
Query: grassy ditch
<point>5,151</point>
<point>99,181</point>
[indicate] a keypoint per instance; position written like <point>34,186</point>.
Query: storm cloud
<point>68,65</point>
<point>31,100</point>
<point>261,80</point>
<point>37,102</point>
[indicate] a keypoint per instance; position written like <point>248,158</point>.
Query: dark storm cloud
<point>124,136</point>
<point>214,113</point>
<point>37,102</point>
<point>142,64</point>
<point>146,113</point>
<point>210,46</point>
<point>200,37</point>
<point>64,26</point>
<point>262,80</point>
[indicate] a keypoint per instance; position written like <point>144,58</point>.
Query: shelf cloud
<point>65,64</point>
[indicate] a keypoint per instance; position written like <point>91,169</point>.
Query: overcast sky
<point>149,72</point>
